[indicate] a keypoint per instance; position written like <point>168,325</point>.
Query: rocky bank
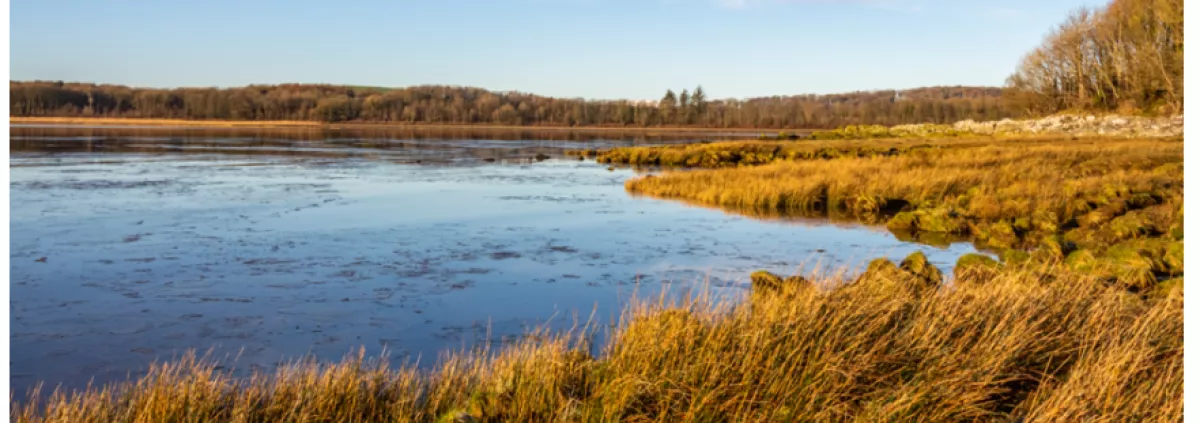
<point>1063,124</point>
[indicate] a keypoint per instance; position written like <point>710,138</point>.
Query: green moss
<point>1001,235</point>
<point>1174,258</point>
<point>1013,256</point>
<point>1080,261</point>
<point>881,265</point>
<point>1169,287</point>
<point>880,269</point>
<point>918,265</point>
<point>1127,226</point>
<point>1102,215</point>
<point>1140,200</point>
<point>795,281</point>
<point>762,280</point>
<point>885,278</point>
<point>1084,238</point>
<point>962,201</point>
<point>902,221</point>
<point>1130,263</point>
<point>937,220</point>
<point>1165,256</point>
<point>975,268</point>
<point>928,238</point>
<point>1045,222</point>
<point>976,260</point>
<point>1052,249</point>
<point>1079,206</point>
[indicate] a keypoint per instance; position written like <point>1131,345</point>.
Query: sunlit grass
<point>1018,343</point>
<point>1081,320</point>
<point>1116,202</point>
<point>752,153</point>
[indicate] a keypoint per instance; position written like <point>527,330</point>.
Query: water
<point>128,249</point>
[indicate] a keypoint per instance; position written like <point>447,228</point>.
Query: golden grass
<point>1025,345</point>
<point>1043,337</point>
<point>1049,197</point>
<point>748,153</point>
<point>759,152</point>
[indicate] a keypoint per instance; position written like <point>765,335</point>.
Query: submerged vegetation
<point>1110,208</point>
<point>1025,345</point>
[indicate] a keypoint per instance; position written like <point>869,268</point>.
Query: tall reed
<point>1031,345</point>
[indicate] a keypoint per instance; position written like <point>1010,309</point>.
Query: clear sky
<point>570,48</point>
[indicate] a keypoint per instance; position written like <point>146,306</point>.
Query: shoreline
<point>233,124</point>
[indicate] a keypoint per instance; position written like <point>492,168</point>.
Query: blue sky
<point>572,48</point>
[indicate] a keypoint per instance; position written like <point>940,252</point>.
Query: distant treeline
<point>465,105</point>
<point>1126,56</point>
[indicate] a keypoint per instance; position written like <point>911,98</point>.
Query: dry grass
<point>1119,201</point>
<point>1016,345</point>
<point>753,153</point>
<point>749,153</point>
<point>1048,340</point>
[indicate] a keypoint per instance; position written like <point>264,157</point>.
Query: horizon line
<point>390,88</point>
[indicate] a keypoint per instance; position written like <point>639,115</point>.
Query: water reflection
<point>425,133</point>
<point>127,249</point>
<point>398,145</point>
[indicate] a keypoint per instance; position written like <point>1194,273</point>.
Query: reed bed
<point>1081,319</point>
<point>1093,203</point>
<point>1015,345</point>
<point>748,153</point>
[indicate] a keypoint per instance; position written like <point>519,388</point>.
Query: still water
<point>127,249</point>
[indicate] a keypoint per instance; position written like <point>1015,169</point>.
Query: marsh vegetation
<point>1110,208</point>
<point>1026,345</point>
<point>1078,317</point>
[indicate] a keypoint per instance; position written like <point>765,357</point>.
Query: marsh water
<point>134,246</point>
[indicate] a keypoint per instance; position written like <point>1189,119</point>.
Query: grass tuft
<point>1015,345</point>
<point>1007,195</point>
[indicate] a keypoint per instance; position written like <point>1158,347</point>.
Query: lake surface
<point>130,248</point>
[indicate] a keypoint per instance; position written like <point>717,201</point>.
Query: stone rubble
<point>1114,125</point>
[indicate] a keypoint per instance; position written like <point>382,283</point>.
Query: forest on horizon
<point>1124,57</point>
<point>438,104</point>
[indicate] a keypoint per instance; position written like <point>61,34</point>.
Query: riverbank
<point>220,124</point>
<point>1059,336</point>
<point>1019,345</point>
<point>1110,208</point>
<point>1062,125</point>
